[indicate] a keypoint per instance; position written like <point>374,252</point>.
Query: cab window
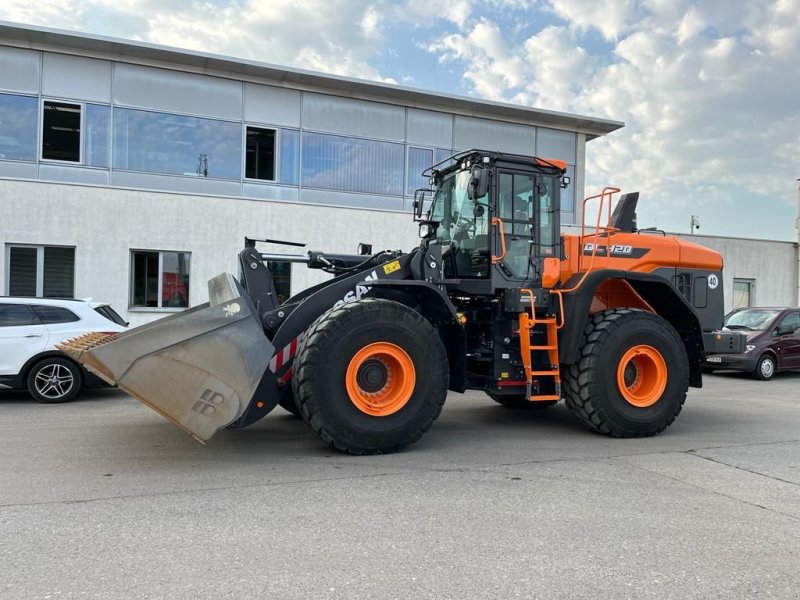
<point>515,209</point>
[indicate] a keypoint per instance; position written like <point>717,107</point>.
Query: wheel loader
<point>616,321</point>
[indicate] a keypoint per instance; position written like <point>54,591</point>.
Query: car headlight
<point>749,347</point>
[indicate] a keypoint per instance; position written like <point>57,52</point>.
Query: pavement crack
<point>713,491</point>
<point>746,470</point>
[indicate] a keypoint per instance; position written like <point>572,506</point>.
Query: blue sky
<point>708,89</point>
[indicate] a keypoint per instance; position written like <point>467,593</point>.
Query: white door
<point>21,337</point>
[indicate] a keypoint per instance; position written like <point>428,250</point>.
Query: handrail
<point>607,191</point>
<point>496,259</point>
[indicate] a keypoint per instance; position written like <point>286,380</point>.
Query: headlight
<point>426,230</point>
<point>749,348</point>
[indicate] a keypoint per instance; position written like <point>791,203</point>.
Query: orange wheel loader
<point>615,321</point>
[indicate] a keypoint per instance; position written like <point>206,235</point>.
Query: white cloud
<point>708,90</point>
<point>336,36</point>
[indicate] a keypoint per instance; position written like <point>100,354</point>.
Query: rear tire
<point>632,377</point>
<point>370,376</point>
<point>54,380</point>
<point>520,402</point>
<point>766,367</point>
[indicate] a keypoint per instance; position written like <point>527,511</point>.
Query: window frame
<point>40,249</point>
<point>160,308</point>
<point>751,283</point>
<point>55,161</point>
<point>276,151</point>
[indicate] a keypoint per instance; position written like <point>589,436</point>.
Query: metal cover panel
<point>20,69</point>
<point>270,192</point>
<point>166,183</point>
<point>72,174</point>
<point>271,105</point>
<point>430,128</point>
<point>332,198</point>
<point>173,91</point>
<point>554,143</point>
<point>17,170</point>
<point>353,117</point>
<point>76,77</point>
<point>486,134</point>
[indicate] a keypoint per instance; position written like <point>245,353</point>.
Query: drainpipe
<point>797,245</point>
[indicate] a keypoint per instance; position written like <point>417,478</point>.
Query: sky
<point>709,90</point>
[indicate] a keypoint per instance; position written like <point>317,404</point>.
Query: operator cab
<point>495,216</point>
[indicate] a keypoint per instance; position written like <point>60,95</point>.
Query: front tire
<point>632,377</point>
<point>54,379</point>
<point>766,367</point>
<point>371,376</point>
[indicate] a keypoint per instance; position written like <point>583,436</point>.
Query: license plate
<point>714,359</point>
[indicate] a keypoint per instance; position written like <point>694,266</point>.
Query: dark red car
<point>773,341</point>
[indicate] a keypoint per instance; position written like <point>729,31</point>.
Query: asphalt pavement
<point>102,498</point>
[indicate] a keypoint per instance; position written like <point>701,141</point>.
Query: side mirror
<point>419,202</point>
<point>478,183</point>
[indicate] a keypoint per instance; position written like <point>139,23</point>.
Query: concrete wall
<point>104,225</point>
<point>772,265</point>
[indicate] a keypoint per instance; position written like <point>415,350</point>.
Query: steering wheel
<point>463,226</point>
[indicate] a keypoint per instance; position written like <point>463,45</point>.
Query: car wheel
<point>54,379</point>
<point>765,369</point>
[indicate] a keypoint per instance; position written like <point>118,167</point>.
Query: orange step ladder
<point>526,325</point>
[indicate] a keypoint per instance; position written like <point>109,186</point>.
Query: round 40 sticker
<point>713,281</point>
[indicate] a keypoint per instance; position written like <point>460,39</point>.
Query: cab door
<point>21,337</point>
<point>528,210</point>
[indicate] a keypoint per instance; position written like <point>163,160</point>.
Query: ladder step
<point>552,373</point>
<point>544,398</point>
<point>544,347</point>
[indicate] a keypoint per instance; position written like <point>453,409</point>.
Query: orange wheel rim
<point>380,379</point>
<point>642,376</point>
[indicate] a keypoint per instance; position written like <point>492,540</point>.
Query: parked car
<point>30,328</point>
<point>773,341</point>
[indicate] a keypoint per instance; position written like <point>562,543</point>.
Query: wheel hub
<point>372,375</point>
<point>642,376</point>
<point>380,379</point>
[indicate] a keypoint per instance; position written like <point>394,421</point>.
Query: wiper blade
<point>740,327</point>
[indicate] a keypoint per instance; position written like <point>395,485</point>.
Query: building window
<point>96,138</point>
<point>159,279</point>
<point>18,123</point>
<point>259,154</point>
<point>172,144</point>
<point>281,279</point>
<point>419,159</point>
<point>743,293</point>
<point>61,131</point>
<point>290,156</point>
<point>352,165</point>
<point>41,271</point>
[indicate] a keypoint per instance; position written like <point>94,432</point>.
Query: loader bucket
<point>199,368</point>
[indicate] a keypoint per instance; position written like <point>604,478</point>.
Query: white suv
<point>30,328</point>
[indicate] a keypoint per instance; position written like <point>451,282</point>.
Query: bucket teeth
<point>87,341</point>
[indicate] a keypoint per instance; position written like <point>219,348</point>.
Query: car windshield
<point>751,318</point>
